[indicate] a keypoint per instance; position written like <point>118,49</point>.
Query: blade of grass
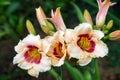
<point>78,12</point>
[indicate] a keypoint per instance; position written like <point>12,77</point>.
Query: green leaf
<point>55,74</point>
<point>74,72</point>
<point>20,26</point>
<point>90,2</point>
<point>4,3</point>
<point>2,34</point>
<point>12,8</point>
<point>5,77</point>
<point>78,12</point>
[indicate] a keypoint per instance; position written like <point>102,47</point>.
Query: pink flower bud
<point>103,9</point>
<point>115,35</point>
<point>57,20</point>
<point>46,26</point>
<point>41,16</point>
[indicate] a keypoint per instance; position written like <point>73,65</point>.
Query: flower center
<point>58,50</point>
<point>85,43</point>
<point>32,55</point>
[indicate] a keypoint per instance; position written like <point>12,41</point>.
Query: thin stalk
<point>61,73</point>
<point>55,74</point>
<point>96,73</point>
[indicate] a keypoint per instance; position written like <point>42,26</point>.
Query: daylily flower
<point>32,55</point>
<point>86,43</point>
<point>57,50</point>
<point>103,9</point>
<point>57,20</point>
<point>46,26</point>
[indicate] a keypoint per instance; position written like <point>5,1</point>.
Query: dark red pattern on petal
<point>32,55</point>
<point>58,51</point>
<point>85,43</point>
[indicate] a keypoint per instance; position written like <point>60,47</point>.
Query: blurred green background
<point>13,16</point>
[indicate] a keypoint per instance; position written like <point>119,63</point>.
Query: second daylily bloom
<point>32,55</point>
<point>103,9</point>
<point>57,50</point>
<point>86,43</point>
<point>57,20</point>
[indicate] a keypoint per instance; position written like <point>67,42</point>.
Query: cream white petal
<point>59,34</point>
<point>74,51</point>
<point>25,65</point>
<point>20,47</point>
<point>33,72</point>
<point>83,28</point>
<point>97,34</point>
<point>32,40</point>
<point>70,36</point>
<point>101,49</point>
<point>45,44</point>
<point>84,61</point>
<point>18,58</point>
<point>45,64</point>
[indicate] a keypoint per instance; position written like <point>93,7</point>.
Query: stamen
<point>85,43</point>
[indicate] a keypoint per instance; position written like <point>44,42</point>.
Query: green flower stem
<point>61,73</point>
<point>96,74</point>
<point>74,73</point>
<point>55,74</point>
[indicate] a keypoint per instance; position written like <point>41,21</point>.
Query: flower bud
<point>46,26</point>
<point>57,20</point>
<point>87,17</point>
<point>103,9</point>
<point>115,35</point>
<point>109,25</point>
<point>30,27</point>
